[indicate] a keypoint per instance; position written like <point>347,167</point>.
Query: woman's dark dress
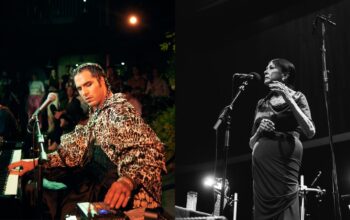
<point>276,161</point>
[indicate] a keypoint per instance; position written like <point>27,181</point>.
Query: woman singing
<point>280,119</point>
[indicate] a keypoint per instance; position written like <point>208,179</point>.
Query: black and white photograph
<point>262,110</point>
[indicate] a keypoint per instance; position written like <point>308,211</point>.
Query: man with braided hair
<point>119,157</point>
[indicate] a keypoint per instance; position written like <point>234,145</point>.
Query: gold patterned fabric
<point>127,141</point>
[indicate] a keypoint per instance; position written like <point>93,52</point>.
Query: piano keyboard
<point>9,182</point>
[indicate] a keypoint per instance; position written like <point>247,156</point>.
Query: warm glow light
<point>133,20</point>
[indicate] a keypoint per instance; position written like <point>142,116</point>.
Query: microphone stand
<point>303,190</point>
<point>224,116</point>
<point>326,19</point>
<point>42,159</point>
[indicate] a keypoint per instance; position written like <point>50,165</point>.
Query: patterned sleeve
<point>71,150</point>
<point>140,154</point>
<point>304,106</point>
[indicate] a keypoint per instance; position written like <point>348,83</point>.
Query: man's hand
<point>26,165</point>
<point>119,193</point>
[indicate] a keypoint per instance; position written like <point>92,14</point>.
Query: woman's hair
<point>286,67</point>
<point>95,69</point>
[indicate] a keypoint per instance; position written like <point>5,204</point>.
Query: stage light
<point>209,181</point>
<point>133,20</point>
<point>122,63</point>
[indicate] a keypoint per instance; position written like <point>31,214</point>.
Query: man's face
<point>92,89</point>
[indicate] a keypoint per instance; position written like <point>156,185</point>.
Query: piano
<point>10,185</point>
<point>9,182</point>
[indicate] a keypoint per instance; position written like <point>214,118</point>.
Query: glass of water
<point>191,203</point>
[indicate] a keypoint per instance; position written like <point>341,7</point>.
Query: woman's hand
<point>23,166</point>
<point>266,125</point>
<point>282,89</point>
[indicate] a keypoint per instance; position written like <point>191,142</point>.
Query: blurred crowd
<point>22,94</point>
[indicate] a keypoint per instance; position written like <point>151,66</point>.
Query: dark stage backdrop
<point>205,64</point>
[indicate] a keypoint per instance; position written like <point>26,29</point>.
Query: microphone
<point>50,98</point>
<point>249,76</point>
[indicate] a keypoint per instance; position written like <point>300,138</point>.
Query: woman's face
<point>272,73</point>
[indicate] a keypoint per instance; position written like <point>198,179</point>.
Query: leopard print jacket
<point>127,141</point>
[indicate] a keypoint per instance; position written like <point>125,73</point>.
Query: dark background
<point>39,35</point>
<point>216,39</point>
<point>39,32</point>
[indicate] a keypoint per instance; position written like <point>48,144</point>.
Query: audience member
<point>157,87</point>
<point>8,124</point>
<point>114,81</point>
<point>36,93</point>
<point>137,82</point>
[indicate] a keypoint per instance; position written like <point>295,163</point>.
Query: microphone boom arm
<point>228,108</point>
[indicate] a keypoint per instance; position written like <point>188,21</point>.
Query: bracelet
<point>128,181</point>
